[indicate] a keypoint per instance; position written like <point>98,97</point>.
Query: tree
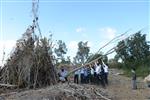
<point>135,50</point>
<point>65,61</point>
<point>82,53</point>
<point>60,50</point>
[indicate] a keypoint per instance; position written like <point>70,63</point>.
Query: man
<point>63,75</point>
<point>98,70</point>
<point>92,70</point>
<point>76,76</point>
<point>101,71</point>
<point>82,75</point>
<point>134,85</point>
<point>102,75</point>
<point>105,66</point>
<point>88,74</point>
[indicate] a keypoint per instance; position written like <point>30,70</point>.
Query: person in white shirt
<point>101,71</point>
<point>98,72</point>
<point>105,66</point>
<point>98,68</point>
<point>63,75</point>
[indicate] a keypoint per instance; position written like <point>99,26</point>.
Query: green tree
<point>82,53</point>
<point>135,49</point>
<point>66,61</point>
<point>61,50</point>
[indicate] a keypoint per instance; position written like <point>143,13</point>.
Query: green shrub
<point>141,71</point>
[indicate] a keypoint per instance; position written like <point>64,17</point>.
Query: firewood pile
<point>31,63</point>
<point>61,92</point>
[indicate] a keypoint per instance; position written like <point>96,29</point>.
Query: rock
<point>147,80</point>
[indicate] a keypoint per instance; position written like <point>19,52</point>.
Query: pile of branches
<point>31,63</point>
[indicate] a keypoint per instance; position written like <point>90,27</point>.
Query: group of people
<point>96,73</point>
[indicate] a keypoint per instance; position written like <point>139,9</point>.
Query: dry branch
<point>97,93</point>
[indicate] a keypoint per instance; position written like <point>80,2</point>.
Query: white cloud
<point>90,44</point>
<point>72,49</point>
<point>6,46</point>
<point>80,30</point>
<point>107,32</point>
<point>73,45</point>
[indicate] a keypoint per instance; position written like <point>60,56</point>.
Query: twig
<point>97,93</point>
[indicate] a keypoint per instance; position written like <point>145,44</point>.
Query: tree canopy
<point>135,50</point>
<point>61,49</point>
<point>82,53</point>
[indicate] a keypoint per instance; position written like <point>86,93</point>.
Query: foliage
<point>114,64</point>
<point>141,71</point>
<point>82,53</point>
<point>135,50</point>
<point>60,50</point>
<point>135,54</point>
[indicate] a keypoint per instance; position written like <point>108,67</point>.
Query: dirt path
<point>119,88</point>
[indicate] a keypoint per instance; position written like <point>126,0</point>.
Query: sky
<point>95,21</point>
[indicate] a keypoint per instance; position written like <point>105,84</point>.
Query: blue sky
<point>73,21</point>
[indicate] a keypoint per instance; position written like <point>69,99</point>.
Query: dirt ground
<point>119,88</point>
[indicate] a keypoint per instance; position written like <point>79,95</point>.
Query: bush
<point>141,71</point>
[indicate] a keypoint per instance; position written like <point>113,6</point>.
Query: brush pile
<point>31,63</point>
